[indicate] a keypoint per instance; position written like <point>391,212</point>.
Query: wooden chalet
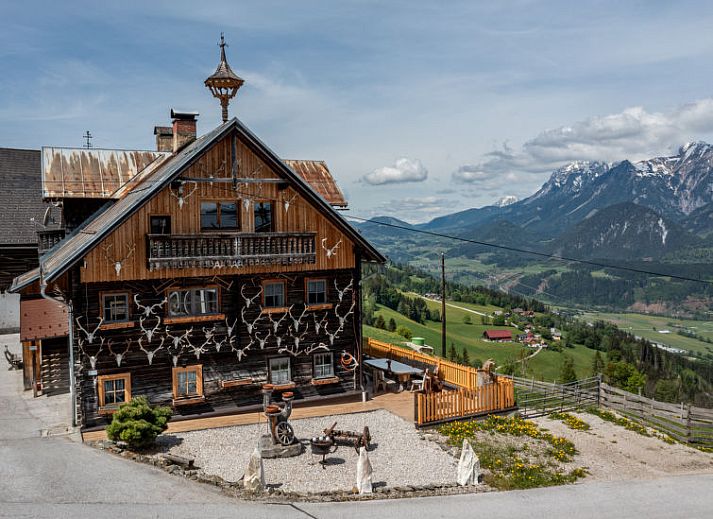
<point>199,272</point>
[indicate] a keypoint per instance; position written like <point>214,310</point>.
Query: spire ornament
<point>224,83</point>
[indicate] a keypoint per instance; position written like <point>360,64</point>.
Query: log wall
<point>219,367</point>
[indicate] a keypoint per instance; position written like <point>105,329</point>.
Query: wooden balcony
<point>49,238</point>
<point>224,250</point>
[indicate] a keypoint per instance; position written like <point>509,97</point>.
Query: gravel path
<point>399,455</point>
<point>612,452</point>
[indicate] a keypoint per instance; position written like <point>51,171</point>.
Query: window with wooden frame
<point>114,390</point>
<point>159,224</point>
<point>273,295</point>
<point>263,217</point>
<point>280,370</point>
<point>115,307</point>
<point>219,215</point>
<point>316,291</point>
<point>323,364</point>
<point>187,302</point>
<point>188,382</point>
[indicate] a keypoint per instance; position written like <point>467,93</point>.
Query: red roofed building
<point>497,335</point>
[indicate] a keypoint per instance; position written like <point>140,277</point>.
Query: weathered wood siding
<point>155,381</point>
<point>299,217</point>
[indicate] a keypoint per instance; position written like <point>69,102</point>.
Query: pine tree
<point>597,364</point>
<point>465,357</point>
<point>392,325</point>
<point>379,322</point>
<point>453,353</point>
<point>567,372</point>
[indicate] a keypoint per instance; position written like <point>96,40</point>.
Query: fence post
<point>599,390</point>
<point>688,424</point>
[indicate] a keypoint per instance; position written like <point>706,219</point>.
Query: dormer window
<point>219,215</point>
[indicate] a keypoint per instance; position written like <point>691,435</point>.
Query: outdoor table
<point>402,371</point>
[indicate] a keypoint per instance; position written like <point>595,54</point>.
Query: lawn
<point>545,366</point>
<point>648,326</point>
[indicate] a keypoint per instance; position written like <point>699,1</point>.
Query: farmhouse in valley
<point>194,273</point>
<point>497,335</point>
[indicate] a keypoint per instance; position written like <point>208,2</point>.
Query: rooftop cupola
<point>224,83</point>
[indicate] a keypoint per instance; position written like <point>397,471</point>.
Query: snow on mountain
<point>506,200</point>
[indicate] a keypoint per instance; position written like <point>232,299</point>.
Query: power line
<point>534,253</point>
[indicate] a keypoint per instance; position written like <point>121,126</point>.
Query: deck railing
<point>229,249</point>
<point>451,405</point>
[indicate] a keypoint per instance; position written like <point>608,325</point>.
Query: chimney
<point>184,128</point>
<point>164,138</point>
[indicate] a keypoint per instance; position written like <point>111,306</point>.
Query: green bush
<point>404,332</point>
<point>138,423</point>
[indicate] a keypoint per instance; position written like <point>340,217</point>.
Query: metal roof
<point>83,239</point>
<point>316,174</point>
<point>90,172</point>
<point>25,279</point>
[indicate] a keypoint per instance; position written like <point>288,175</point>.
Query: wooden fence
<point>685,423</point>
<point>542,398</point>
<point>451,372</point>
<point>432,408</point>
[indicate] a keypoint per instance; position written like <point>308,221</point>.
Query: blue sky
<point>419,108</point>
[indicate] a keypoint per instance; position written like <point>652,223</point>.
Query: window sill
<point>284,386</point>
<point>177,402</point>
<point>324,381</point>
<point>118,325</point>
<point>321,306</point>
<point>108,410</point>
<point>275,310</point>
<point>194,319</point>
<point>236,382</point>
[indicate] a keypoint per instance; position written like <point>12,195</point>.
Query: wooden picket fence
<point>450,372</point>
<point>466,401</point>
<point>684,423</point>
<point>445,406</point>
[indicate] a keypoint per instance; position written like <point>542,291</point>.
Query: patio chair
<point>381,382</point>
<point>420,384</point>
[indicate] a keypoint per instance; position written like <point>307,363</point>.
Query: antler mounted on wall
<point>149,332</point>
<point>176,346</point>
<point>119,356</point>
<point>90,335</point>
<point>150,353</point>
<point>118,263</point>
<point>92,358</point>
<point>181,195</point>
<point>241,352</point>
<point>347,288</point>
<point>331,251</point>
<point>147,310</point>
<point>276,324</point>
<point>342,319</point>
<point>248,325</point>
<point>286,202</point>
<point>249,300</point>
<point>296,323</point>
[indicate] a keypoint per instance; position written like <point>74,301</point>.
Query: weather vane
<point>88,136</point>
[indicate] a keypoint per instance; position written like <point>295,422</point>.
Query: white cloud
<point>631,134</point>
<point>403,170</point>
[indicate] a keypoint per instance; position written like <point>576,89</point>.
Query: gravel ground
<point>612,452</point>
<point>398,455</point>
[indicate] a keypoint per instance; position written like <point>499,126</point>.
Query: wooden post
<point>443,305</point>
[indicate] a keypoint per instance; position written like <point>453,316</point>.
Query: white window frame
<point>280,375</point>
<point>323,364</point>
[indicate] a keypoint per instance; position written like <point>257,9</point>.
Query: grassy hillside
<point>649,326</point>
<point>545,365</point>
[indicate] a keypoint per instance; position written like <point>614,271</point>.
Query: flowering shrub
<point>571,421</point>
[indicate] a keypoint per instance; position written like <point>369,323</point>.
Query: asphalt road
<point>57,477</point>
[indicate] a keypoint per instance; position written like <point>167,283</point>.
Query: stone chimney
<point>164,138</point>
<point>184,128</point>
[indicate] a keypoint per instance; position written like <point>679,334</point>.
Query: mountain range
<point>627,210</point>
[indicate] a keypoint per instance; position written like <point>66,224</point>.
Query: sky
<point>419,108</point>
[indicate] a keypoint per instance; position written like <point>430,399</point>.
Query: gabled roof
<point>498,334</point>
<point>83,239</point>
<point>90,173</point>
<point>20,200</point>
<point>316,174</point>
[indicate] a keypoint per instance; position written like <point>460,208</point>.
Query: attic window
<point>219,215</point>
<point>264,221</point>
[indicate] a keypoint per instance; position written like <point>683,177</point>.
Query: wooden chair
<point>420,384</point>
<point>381,382</point>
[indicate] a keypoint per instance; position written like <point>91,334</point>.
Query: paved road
<point>56,477</point>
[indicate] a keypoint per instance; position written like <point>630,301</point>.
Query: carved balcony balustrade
<point>220,250</point>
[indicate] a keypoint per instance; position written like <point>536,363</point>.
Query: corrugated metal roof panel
<point>90,173</point>
<point>317,174</point>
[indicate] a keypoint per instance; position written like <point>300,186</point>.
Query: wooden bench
<point>14,360</point>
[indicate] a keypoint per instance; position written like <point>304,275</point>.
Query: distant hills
<point>654,210</point>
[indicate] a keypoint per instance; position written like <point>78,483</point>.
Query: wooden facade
<point>201,318</point>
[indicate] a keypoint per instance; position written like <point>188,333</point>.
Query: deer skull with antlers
<point>90,335</point>
<point>150,353</point>
<point>176,346</point>
<point>181,195</point>
<point>118,263</point>
<point>248,325</point>
<point>296,323</point>
<point>148,311</point>
<point>249,300</point>
<point>92,358</point>
<point>331,251</point>
<point>119,356</point>
<point>347,288</point>
<point>149,332</point>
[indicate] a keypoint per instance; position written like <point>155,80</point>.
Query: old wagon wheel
<point>284,433</point>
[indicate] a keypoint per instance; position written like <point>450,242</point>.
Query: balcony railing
<point>49,238</point>
<point>218,250</point>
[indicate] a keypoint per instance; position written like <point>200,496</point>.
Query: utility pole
<point>443,305</point>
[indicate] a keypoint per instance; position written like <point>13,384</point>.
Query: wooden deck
<point>400,404</point>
